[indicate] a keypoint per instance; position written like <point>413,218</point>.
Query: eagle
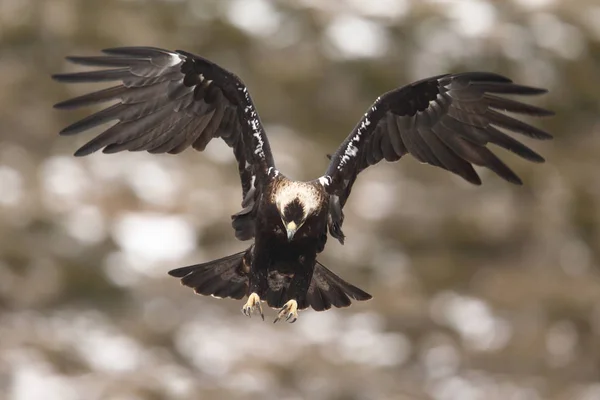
<point>168,101</point>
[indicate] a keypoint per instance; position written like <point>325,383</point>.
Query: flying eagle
<point>171,100</point>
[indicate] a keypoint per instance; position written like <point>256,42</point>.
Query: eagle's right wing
<point>446,121</point>
<point>169,101</point>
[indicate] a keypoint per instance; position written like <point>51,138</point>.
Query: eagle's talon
<point>289,311</point>
<point>252,305</point>
<point>290,315</point>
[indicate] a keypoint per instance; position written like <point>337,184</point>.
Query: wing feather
<point>446,121</point>
<point>395,134</point>
<point>168,101</point>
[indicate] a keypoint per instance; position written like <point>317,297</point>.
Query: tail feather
<point>228,277</point>
<point>327,290</point>
<point>213,286</point>
<point>225,277</point>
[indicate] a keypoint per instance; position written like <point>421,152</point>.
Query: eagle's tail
<point>327,289</point>
<point>228,277</point>
<point>225,277</point>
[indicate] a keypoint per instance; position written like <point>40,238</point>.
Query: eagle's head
<point>293,216</point>
<point>296,202</point>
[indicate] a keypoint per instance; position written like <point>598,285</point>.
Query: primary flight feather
<point>169,101</point>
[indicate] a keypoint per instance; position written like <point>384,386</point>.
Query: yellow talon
<point>289,311</point>
<point>252,305</point>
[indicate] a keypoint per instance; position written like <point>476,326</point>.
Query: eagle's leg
<point>289,311</point>
<point>253,305</point>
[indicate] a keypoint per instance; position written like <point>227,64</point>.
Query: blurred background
<point>488,292</point>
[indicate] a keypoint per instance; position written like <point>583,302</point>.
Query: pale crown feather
<point>305,193</point>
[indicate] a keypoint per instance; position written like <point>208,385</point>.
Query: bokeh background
<point>488,292</point>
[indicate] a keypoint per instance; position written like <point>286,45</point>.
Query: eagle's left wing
<point>446,121</point>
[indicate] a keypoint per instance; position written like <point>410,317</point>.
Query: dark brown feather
<point>169,101</point>
<point>446,121</point>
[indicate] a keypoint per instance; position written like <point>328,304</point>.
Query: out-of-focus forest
<point>488,292</point>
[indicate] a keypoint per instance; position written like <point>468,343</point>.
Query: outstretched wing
<point>446,121</point>
<point>167,102</point>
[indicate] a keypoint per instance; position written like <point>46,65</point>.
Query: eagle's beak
<point>291,229</point>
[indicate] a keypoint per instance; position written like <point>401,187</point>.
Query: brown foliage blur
<point>488,292</point>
